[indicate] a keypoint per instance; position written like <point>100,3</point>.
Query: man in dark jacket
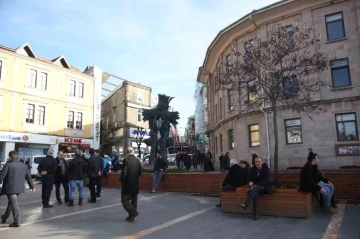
<point>47,168</point>
<point>75,175</point>
<point>94,168</point>
<point>312,181</point>
<point>221,160</point>
<point>129,177</point>
<point>235,178</point>
<point>158,171</point>
<point>60,178</point>
<point>208,164</point>
<point>226,161</point>
<point>259,184</point>
<point>12,176</point>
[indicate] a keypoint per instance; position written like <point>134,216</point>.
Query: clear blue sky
<point>159,43</point>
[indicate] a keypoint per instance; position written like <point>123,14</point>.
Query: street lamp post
<point>140,133</point>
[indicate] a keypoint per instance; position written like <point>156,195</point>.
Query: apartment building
<point>333,135</point>
<point>121,115</point>
<point>44,103</point>
<point>201,140</point>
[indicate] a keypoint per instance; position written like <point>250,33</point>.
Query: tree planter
<point>283,203</point>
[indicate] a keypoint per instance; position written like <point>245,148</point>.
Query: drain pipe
<point>267,131</point>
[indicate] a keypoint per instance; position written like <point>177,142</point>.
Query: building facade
<point>190,132</point>
<point>121,115</point>
<point>333,135</point>
<point>201,140</point>
<point>44,103</point>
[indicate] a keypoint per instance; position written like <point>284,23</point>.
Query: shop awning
<point>84,146</point>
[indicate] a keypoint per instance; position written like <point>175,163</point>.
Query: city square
<point>167,215</point>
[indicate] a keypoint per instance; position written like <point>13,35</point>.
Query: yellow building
<point>45,103</point>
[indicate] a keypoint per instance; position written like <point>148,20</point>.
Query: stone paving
<point>162,215</point>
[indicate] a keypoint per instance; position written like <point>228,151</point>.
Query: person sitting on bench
<point>312,181</point>
<point>259,184</point>
<point>235,178</point>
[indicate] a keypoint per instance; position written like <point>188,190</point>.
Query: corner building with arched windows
<point>334,135</point>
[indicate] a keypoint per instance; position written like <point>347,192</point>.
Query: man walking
<point>129,177</point>
<point>115,161</point>
<point>60,178</point>
<point>47,168</point>
<point>158,171</point>
<point>94,168</point>
<point>75,173</point>
<point>14,173</point>
<point>100,176</point>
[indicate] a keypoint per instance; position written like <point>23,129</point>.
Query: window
<point>79,120</point>
<point>290,31</point>
<point>72,85</point>
<point>216,145</point>
<point>346,127</point>
<point>139,96</point>
<point>335,26</point>
<point>249,46</point>
<point>221,143</point>
<point>216,112</point>
<point>253,94</point>
<point>221,109</point>
<point>30,113</point>
<point>40,118</point>
<point>340,73</point>
<point>70,121</point>
<point>231,139</point>
<point>139,115</point>
<point>228,63</point>
<point>230,105</point>
<point>291,86</point>
<point>293,131</point>
<point>254,135</point>
<point>80,90</point>
<point>42,83</point>
<point>32,74</point>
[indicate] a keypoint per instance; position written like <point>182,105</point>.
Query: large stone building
<point>333,135</point>
<point>121,115</point>
<point>44,103</point>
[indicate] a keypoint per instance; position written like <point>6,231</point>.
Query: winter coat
<point>236,176</point>
<point>130,173</point>
<point>263,179</point>
<point>13,175</point>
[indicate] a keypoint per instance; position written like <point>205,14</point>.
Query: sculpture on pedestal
<point>160,119</point>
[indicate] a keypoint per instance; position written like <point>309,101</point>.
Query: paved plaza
<point>166,215</point>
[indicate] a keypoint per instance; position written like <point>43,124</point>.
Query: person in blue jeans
<point>160,167</point>
<point>75,174</point>
<point>312,181</point>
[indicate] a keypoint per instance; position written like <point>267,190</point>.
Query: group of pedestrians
<point>58,171</point>
<point>257,178</point>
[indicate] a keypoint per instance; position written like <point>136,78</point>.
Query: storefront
<point>29,145</point>
<point>70,145</point>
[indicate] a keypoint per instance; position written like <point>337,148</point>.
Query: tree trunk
<point>276,150</point>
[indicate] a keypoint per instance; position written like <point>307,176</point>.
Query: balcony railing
<point>116,125</point>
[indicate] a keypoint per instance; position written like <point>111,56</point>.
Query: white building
<point>201,118</point>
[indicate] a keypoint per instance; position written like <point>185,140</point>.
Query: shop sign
<point>72,140</point>
<point>13,137</point>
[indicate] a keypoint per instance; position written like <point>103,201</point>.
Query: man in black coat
<point>313,181</point>
<point>221,160</point>
<point>12,176</point>
<point>208,164</point>
<point>158,171</point>
<point>94,168</point>
<point>235,178</point>
<point>60,178</point>
<point>259,184</point>
<point>47,168</point>
<point>129,177</point>
<point>76,174</point>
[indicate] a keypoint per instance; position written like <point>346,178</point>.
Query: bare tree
<point>279,73</point>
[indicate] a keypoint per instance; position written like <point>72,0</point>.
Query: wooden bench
<point>283,203</point>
